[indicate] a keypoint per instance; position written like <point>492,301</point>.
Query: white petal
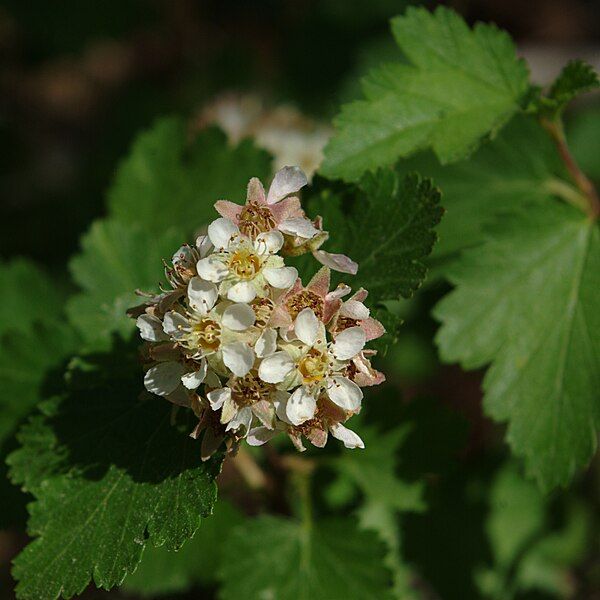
<point>301,227</point>
<point>164,378</point>
<point>280,404</point>
<point>355,310</point>
<point>238,357</point>
<point>203,244</point>
<point>351,440</point>
<point>345,393</point>
<point>337,262</point>
<point>242,420</point>
<point>151,328</point>
<point>212,268</point>
<point>192,380</point>
<point>202,295</point>
<point>301,406</point>
<point>221,231</point>
<point>306,326</point>
<point>269,242</point>
<point>274,368</point>
<point>349,343</point>
<point>218,397</point>
<point>281,278</point>
<point>286,181</point>
<point>267,343</point>
<point>175,324</point>
<point>260,435</point>
<point>242,291</point>
<point>238,317</point>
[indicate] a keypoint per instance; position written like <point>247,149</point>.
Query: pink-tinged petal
<point>229,210</point>
<point>370,379</point>
<point>280,317</point>
<point>351,440</point>
<point>256,192</point>
<point>317,437</point>
<point>330,307</point>
<point>288,208</point>
<point>265,412</point>
<point>372,328</point>
<point>286,181</point>
<point>360,295</point>
<point>320,282</point>
<point>258,436</point>
<point>337,262</point>
<point>366,375</point>
<point>340,291</point>
<point>354,310</point>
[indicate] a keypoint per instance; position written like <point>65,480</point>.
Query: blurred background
<point>80,78</point>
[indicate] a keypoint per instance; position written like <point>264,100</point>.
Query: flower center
<point>255,219</point>
<point>302,300</point>
<point>249,389</point>
<point>314,366</point>
<point>244,263</point>
<point>206,334</point>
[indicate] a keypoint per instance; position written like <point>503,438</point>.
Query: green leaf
<point>517,169</point>
<point>577,77</point>
<point>527,554</point>
<point>196,563</point>
<point>516,515</point>
<point>274,557</point>
<point>460,86</point>
<point>526,302</point>
<point>168,182</point>
<point>374,472</point>
<point>388,230</point>
<point>115,260</point>
<point>26,359</point>
<point>110,474</point>
<point>28,294</point>
<point>583,133</point>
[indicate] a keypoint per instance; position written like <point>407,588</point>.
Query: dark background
<point>79,79</point>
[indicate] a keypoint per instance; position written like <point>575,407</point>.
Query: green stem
<point>589,194</point>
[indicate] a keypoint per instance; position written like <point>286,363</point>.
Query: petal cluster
<point>242,342</point>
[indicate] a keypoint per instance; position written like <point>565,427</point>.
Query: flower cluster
<point>240,340</point>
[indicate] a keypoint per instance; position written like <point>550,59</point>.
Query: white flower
<point>205,331</point>
<point>243,268</point>
<point>310,367</point>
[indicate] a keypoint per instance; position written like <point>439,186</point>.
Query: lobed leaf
<point>526,302</point>
<point>274,557</point>
<point>110,474</point>
<point>196,563</point>
<point>387,227</point>
<point>460,85</point>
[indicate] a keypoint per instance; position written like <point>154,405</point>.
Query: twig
<point>555,128</point>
